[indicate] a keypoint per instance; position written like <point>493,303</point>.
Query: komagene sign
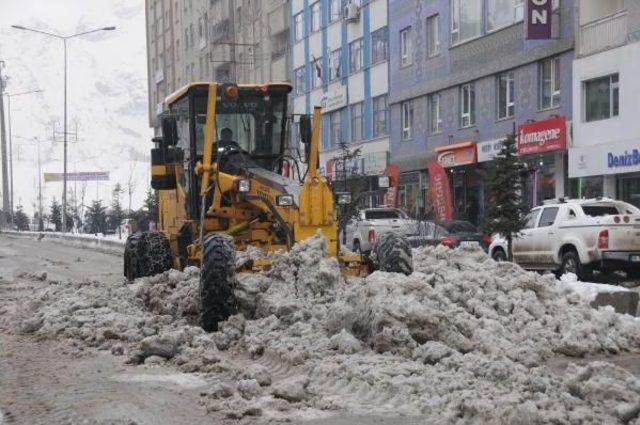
<point>542,136</point>
<point>539,19</point>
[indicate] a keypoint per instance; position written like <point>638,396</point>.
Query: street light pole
<point>9,96</point>
<point>64,38</point>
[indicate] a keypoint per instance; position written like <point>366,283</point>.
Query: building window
<point>335,127</point>
<point>601,98</point>
<point>379,46</point>
<point>186,39</point>
<point>357,126</point>
<point>380,116</point>
<point>177,50</point>
<point>299,26</point>
<point>550,83</point>
<point>299,80</point>
<point>435,114</point>
<point>467,105</point>
<point>355,56</point>
<point>466,20</point>
<point>405,47</point>
<point>315,16</point>
<point>316,68</point>
<point>433,37</point>
<point>505,95</point>
<point>335,10</point>
<point>406,120</point>
<point>334,64</point>
<point>191,35</point>
<point>501,13</point>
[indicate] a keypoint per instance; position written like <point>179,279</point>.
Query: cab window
<point>532,219</point>
<point>548,217</point>
<point>571,214</point>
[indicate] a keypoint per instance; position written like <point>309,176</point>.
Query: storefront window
<point>540,182</point>
<point>587,187</point>
<point>630,190</point>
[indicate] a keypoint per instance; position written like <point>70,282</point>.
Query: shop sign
<point>542,136</point>
<point>603,159</point>
<point>489,149</point>
<point>462,153</point>
<point>375,163</point>
<point>539,19</point>
<point>440,191</point>
<point>335,98</point>
<point>391,196</point>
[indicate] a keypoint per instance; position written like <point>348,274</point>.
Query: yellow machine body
<point>244,203</point>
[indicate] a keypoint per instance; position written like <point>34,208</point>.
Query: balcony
<point>603,34</point>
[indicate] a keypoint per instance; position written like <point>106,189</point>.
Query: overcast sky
<point>107,92</point>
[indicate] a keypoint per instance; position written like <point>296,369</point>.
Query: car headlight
<point>244,186</point>
<point>284,200</point>
<point>344,198</point>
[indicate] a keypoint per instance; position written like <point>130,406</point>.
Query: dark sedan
<point>451,233</point>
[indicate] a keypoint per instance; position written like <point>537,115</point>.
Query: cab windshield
<point>254,122</point>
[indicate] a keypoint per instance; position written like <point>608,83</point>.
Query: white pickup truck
<point>362,231</point>
<point>577,236</point>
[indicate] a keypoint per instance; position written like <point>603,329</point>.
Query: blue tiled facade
<point>351,88</point>
<point>477,61</point>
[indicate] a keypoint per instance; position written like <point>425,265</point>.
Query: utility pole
<point>3,151</point>
<point>64,39</point>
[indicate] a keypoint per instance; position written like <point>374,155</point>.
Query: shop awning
<point>461,153</point>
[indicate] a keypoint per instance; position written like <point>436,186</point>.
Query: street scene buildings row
<point>406,82</point>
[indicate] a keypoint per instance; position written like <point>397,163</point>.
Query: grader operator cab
<point>217,172</point>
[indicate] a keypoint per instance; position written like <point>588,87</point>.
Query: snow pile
<point>462,340</point>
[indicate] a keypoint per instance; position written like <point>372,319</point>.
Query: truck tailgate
<point>624,237</point>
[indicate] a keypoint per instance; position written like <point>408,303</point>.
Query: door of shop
<point>629,190</point>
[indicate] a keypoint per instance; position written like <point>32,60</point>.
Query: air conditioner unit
<point>351,12</point>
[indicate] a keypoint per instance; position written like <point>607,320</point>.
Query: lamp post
<point>9,96</point>
<point>64,39</point>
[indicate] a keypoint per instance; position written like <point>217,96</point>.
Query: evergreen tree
<point>97,217</point>
<point>56,215</point>
<point>506,211</point>
<point>20,219</point>
<point>116,214</point>
<point>151,205</point>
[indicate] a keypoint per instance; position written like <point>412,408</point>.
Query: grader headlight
<point>244,186</point>
<point>284,200</point>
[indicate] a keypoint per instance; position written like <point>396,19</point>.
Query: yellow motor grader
<point>218,171</point>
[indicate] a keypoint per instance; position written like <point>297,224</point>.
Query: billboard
<point>90,176</point>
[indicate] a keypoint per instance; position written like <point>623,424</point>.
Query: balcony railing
<point>603,34</point>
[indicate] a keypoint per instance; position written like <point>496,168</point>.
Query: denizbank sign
<point>627,159</point>
<point>610,158</point>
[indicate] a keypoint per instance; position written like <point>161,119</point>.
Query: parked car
<point>577,236</point>
<point>362,231</point>
<point>451,233</point>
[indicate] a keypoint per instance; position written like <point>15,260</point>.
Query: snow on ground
<point>462,340</point>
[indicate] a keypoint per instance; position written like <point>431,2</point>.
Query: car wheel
<point>499,255</point>
<point>571,264</point>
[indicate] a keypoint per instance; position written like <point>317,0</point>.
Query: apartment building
<point>243,41</point>
<point>463,76</point>
<point>340,62</point>
<point>604,158</point>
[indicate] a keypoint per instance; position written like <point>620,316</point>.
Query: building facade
<point>339,60</point>
<point>244,41</point>
<point>605,156</point>
<point>463,76</point>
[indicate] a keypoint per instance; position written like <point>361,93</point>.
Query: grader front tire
<point>392,253</point>
<point>217,276</point>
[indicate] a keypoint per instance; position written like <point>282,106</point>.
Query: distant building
<point>243,41</point>
<point>463,75</point>
<point>340,62</point>
<point>605,156</point>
